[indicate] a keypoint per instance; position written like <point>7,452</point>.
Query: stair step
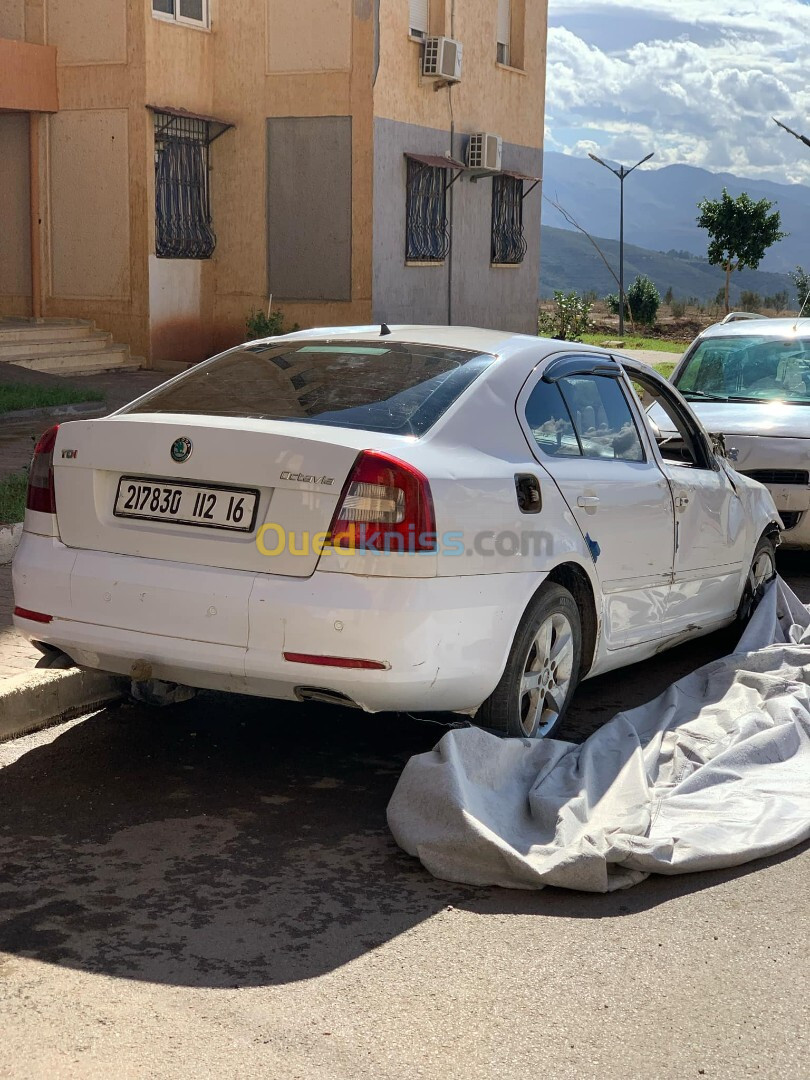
<point>113,357</point>
<point>17,353</point>
<point>33,333</point>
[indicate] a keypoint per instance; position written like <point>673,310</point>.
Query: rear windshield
<point>743,368</point>
<point>396,388</point>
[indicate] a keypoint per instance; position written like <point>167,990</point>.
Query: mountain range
<point>660,207</point>
<point>568,261</point>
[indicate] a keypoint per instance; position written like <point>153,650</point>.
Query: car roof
<point>764,327</point>
<point>503,343</point>
<point>460,337</point>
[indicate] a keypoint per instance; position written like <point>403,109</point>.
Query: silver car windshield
<point>742,368</point>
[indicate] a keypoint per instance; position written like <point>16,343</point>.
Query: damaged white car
<point>407,518</point>
<point>750,382</point>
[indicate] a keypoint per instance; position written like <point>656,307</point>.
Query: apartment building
<point>168,165</point>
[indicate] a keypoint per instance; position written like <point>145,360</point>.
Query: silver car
<point>749,381</point>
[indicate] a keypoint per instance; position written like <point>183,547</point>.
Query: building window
<point>182,11</point>
<point>427,231</point>
<point>419,18</point>
<point>503,34</point>
<point>508,241</point>
<point>182,196</point>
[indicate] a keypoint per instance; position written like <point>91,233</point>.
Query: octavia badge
<point>181,449</point>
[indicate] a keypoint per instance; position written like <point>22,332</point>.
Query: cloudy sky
<point>696,81</point>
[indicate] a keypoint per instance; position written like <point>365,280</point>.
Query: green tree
<point>740,232</point>
<point>801,282</point>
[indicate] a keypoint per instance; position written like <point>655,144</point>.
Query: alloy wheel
<point>546,678</point>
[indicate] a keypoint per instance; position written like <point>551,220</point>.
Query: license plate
<point>202,505</point>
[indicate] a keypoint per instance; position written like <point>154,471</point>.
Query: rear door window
<point>396,387</point>
<point>602,417</point>
<point>583,416</point>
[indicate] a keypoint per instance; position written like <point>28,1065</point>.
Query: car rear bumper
<point>443,641</point>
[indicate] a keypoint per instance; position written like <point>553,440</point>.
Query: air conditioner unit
<point>442,59</point>
<point>484,152</point>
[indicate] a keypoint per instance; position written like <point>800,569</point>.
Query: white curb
<point>47,696</point>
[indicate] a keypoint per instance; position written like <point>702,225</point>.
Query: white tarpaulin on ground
<point>713,773</point>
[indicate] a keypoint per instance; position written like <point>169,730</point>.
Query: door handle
<point>681,501</point>
<point>587,500</point>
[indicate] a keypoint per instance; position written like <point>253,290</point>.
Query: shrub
<point>678,308</point>
<point>778,302</point>
<point>751,301</point>
<point>568,320</point>
<point>641,301</point>
<point>612,301</point>
<point>668,295</point>
<point>262,324</point>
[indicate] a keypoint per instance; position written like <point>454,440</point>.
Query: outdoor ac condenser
<point>484,151</point>
<point>442,59</point>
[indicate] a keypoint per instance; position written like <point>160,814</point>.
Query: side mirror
<point>718,443</point>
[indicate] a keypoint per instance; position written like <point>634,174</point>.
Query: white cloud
<point>703,96</point>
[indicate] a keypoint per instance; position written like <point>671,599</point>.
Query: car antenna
<point>385,330</point>
<point>801,309</point>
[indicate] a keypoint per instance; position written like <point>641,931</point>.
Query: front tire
<point>542,670</point>
<point>763,570</point>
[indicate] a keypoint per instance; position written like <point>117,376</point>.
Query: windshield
<point>742,368</point>
<point>397,388</point>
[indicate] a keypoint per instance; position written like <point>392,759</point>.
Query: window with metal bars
<point>427,230</point>
<point>182,194</point>
<point>508,241</point>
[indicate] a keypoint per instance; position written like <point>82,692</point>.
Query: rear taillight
<point>40,478</point>
<point>32,616</point>
<point>385,506</point>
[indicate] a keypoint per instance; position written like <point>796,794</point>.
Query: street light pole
<point>621,172</point>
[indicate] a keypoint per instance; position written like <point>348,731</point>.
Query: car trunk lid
<point>289,477</point>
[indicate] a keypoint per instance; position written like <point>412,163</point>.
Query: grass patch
<point>665,367</point>
<point>15,396</point>
<point>655,344</point>
<point>12,497</point>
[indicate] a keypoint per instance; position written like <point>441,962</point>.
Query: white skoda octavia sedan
<point>415,518</point>
<point>750,381</point>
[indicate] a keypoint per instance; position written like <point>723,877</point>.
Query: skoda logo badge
<point>181,449</point>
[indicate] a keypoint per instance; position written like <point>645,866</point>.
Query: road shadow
<point>239,842</point>
<point>227,842</point>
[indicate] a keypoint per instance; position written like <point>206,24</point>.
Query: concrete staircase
<point>62,347</point>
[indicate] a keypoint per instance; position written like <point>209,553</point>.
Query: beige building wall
<point>89,206</point>
<point>15,237</point>
<point>93,156</point>
<point>266,35</point>
<point>508,101</point>
<point>260,59</point>
<point>12,20</point>
<point>88,31</point>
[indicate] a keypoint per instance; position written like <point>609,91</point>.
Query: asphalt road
<point>211,891</point>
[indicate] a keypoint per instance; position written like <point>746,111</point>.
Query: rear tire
<point>763,570</point>
<point>542,670</point>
